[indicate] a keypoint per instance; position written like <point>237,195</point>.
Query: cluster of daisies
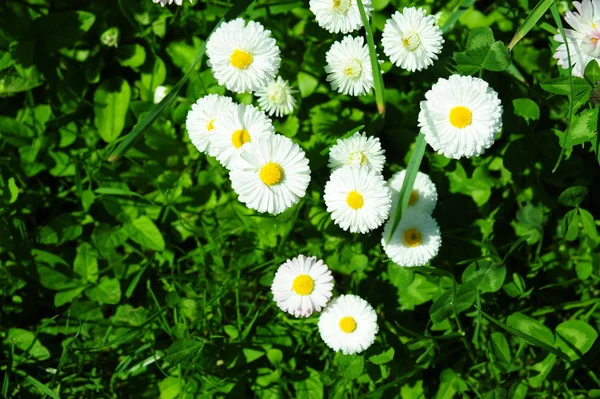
<point>583,40</point>
<point>303,285</point>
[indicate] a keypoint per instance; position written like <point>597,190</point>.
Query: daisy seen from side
<point>357,149</point>
<point>423,196</point>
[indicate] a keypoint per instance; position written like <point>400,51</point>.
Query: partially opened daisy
<point>412,39</point>
<point>277,98</point>
<point>348,67</point>
<point>416,240</point>
<point>348,324</point>
<point>165,2</point>
<point>357,149</point>
<point>234,128</point>
<point>357,198</point>
<point>583,40</point>
<point>339,15</point>
<point>461,116</point>
<point>423,196</point>
<point>200,121</point>
<point>302,285</point>
<point>272,174</point>
<point>243,58</point>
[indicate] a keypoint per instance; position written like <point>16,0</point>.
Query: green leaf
<point>24,340</point>
<point>482,53</point>
<point>532,19</point>
<point>111,102</point>
<point>526,109</point>
<point>350,367</point>
<point>86,263</point>
<point>573,196</point>
<point>531,326</point>
<point>384,357</point>
<point>575,338</point>
<point>170,388</point>
<point>310,388</point>
<point>132,55</point>
<point>144,232</point>
<point>571,225</point>
<point>307,84</point>
<point>13,190</point>
<point>108,291</point>
<point>184,351</point>
<point>498,393</point>
<point>488,276</point>
<point>562,85</point>
<point>589,224</point>
<point>592,73</point>
<point>500,347</point>
<point>443,307</point>
<point>584,128</point>
<point>40,386</point>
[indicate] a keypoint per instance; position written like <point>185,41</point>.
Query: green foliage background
<point>142,275</point>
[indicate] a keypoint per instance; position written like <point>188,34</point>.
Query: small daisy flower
<point>461,116</point>
<point>348,324</point>
<point>357,198</point>
<point>243,58</point>
<point>236,126</point>
<point>416,240</point>
<point>349,67</point>
<point>277,98</point>
<point>165,2</point>
<point>271,175</point>
<point>357,149</point>
<point>423,196</point>
<point>302,285</point>
<point>201,119</point>
<point>583,40</point>
<point>412,39</point>
<point>338,16</point>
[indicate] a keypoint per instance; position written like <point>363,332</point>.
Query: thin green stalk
<point>561,29</point>
<point>377,78</point>
<point>531,20</point>
<point>237,8</point>
<point>409,180</point>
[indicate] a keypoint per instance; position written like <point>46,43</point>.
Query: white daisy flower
<point>201,119</point>
<point>583,40</point>
<point>412,39</point>
<point>461,116</point>
<point>243,58</point>
<point>277,98</point>
<point>165,2</point>
<point>348,324</point>
<point>423,196</point>
<point>302,285</point>
<point>235,127</point>
<point>357,149</point>
<point>357,198</point>
<point>416,240</point>
<point>339,15</point>
<point>349,67</point>
<point>271,175</point>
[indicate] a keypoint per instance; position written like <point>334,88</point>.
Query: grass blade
<point>460,9</point>
<point>561,29</point>
<point>532,340</point>
<point>377,78</point>
<point>531,20</point>
<point>42,387</point>
<point>235,10</point>
<point>409,180</point>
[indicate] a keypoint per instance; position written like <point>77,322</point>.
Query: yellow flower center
<point>241,59</point>
<point>353,69</point>
<point>342,6</point>
<point>210,125</point>
<point>355,200</point>
<point>271,174</point>
<point>411,40</point>
<point>412,237</point>
<point>461,117</point>
<point>303,284</point>
<point>240,137</point>
<point>347,324</point>
<point>414,196</point>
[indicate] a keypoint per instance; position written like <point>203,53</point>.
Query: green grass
<point>129,269</point>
